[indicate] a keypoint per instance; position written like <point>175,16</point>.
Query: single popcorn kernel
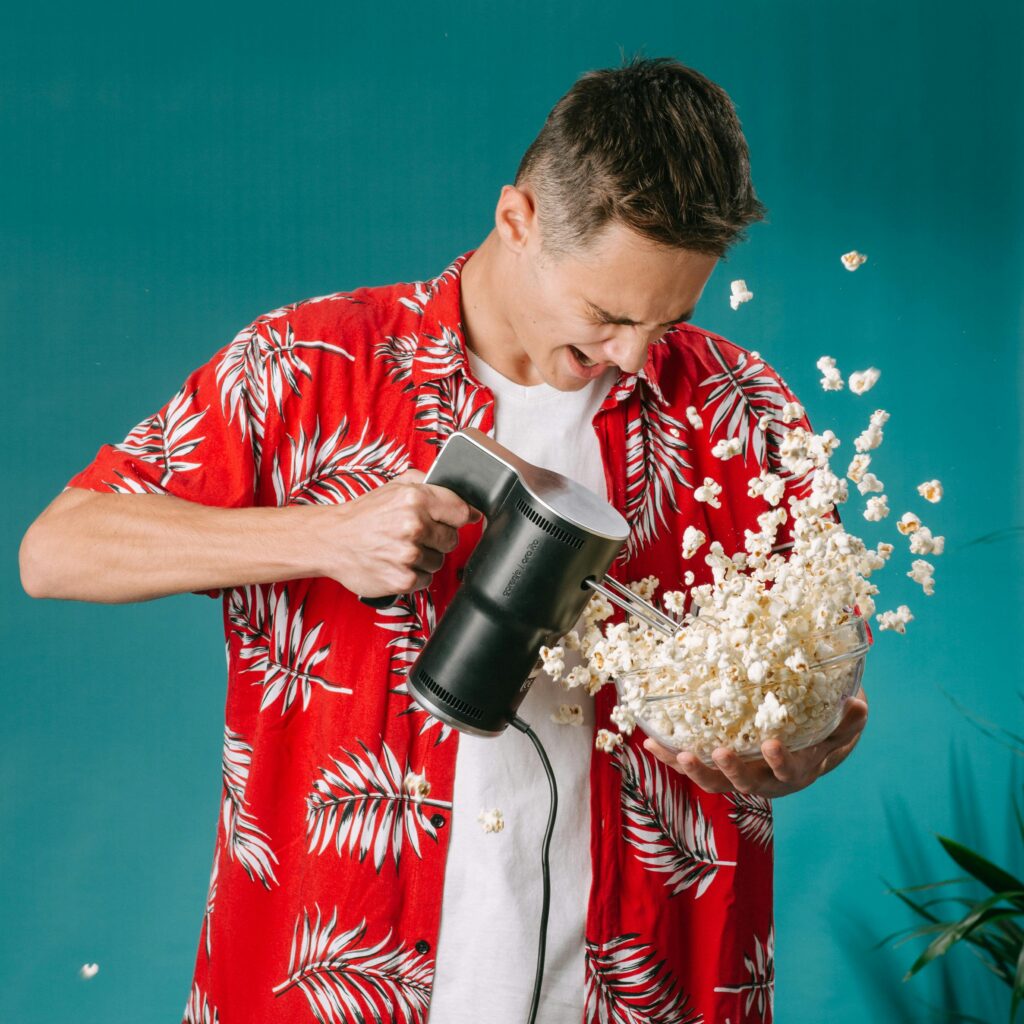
<point>554,661</point>
<point>692,541</point>
<point>727,448</point>
<point>791,412</point>
<point>831,379</point>
<point>864,380</point>
<point>896,620</point>
<point>739,293</point>
<point>877,509</point>
<point>416,786</point>
<point>607,740</point>
<point>694,417</point>
<point>853,259</point>
<point>88,971</point>
<point>709,492</point>
<point>923,543</point>
<point>908,523</point>
<point>921,572</point>
<point>931,491</point>
<point>568,714</point>
<point>492,820</point>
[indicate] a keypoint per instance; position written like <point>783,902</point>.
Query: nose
<point>628,346</point>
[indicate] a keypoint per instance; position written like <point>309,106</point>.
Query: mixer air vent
<point>457,705</point>
<point>548,527</point>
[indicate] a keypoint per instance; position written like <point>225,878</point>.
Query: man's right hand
<point>395,537</point>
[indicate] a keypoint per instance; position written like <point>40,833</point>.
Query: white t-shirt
<point>490,914</point>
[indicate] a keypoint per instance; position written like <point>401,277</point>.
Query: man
<point>286,477</point>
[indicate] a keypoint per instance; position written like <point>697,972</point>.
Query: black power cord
<point>545,867</point>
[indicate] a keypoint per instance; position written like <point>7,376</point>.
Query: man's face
<point>606,304</point>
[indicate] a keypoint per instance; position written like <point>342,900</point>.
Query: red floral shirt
<point>325,895</point>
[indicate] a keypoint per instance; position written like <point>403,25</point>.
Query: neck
<point>485,324</point>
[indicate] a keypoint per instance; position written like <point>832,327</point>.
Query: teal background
<point>171,171</point>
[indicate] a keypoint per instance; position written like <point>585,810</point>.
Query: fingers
<point>710,780</point>
<point>445,506</point>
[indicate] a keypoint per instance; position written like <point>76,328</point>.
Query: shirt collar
<point>441,344</point>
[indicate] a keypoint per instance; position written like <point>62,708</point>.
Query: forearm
<point>116,548</point>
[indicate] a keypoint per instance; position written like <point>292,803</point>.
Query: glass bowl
<point>833,676</point>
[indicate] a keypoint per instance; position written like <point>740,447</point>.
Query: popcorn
<point>871,438</point>
<point>831,379</point>
<point>930,490</point>
<point>908,523</point>
<point>764,421</point>
<point>896,620</point>
<point>88,971</point>
<point>694,417</point>
<point>568,714</point>
<point>864,380</point>
<point>877,509</point>
<point>554,661</point>
<point>577,676</point>
<point>771,714</point>
<point>870,483</point>
<point>923,543</point>
<point>608,740</point>
<point>709,492</point>
<point>739,293</point>
<point>688,578</point>
<point>492,820</point>
<point>727,448</point>
<point>858,467</point>
<point>791,412</point>
<point>921,572</point>
<point>675,602</point>
<point>416,786</point>
<point>693,538</point>
<point>853,259</point>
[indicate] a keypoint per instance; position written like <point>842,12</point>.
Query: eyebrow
<point>605,315</point>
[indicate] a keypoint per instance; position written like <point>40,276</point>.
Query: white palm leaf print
<point>760,985</point>
<point>211,897</point>
<point>345,983</point>
<point>246,842</point>
<point>277,644</point>
<point>669,833</point>
<point>423,291</point>
<point>285,363</point>
<point>198,1010</point>
<point>130,486</point>
<point>740,395</point>
<point>655,466</point>
<point>411,618</point>
<point>362,805</point>
<point>397,354</point>
<point>445,405</point>
<point>753,817</point>
<point>242,382</point>
<point>164,439</point>
<point>625,986</point>
<point>336,469</point>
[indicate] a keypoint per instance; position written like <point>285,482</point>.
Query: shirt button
<point>423,946</point>
<point>437,820</point>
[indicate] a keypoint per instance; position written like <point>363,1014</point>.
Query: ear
<point>515,217</point>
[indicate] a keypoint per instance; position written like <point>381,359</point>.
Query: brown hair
<point>653,145</point>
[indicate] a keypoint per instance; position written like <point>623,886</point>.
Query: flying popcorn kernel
<point>877,509</point>
<point>607,740</point>
<point>921,572</point>
<point>694,417</point>
<point>416,786</point>
<point>764,421</point>
<point>872,437</point>
<point>568,714</point>
<point>858,467</point>
<point>869,483</point>
<point>692,541</point>
<point>675,602</point>
<point>791,412</point>
<point>727,448</point>
<point>554,661</point>
<point>577,676</point>
<point>864,380</point>
<point>896,620</point>
<point>88,971</point>
<point>923,543</point>
<point>708,492</point>
<point>492,820</point>
<point>908,523</point>
<point>739,294</point>
<point>688,577</point>
<point>853,259</point>
<point>931,491</point>
<point>831,379</point>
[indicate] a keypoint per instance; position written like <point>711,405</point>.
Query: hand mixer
<point>546,548</point>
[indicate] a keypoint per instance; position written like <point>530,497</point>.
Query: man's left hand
<point>778,771</point>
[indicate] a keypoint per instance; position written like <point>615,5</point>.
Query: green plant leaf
<point>956,933</point>
<point>990,875</point>
<point>1018,986</point>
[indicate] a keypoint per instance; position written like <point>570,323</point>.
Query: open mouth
<point>585,360</point>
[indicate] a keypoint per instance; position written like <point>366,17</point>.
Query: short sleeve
<point>203,445</point>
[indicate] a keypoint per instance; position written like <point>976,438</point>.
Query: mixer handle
<point>479,470</point>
